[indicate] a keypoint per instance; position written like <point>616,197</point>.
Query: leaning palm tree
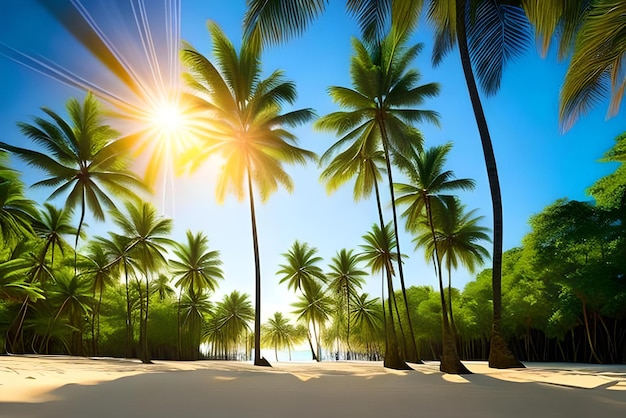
<point>345,278</point>
<point>379,253</point>
<point>248,131</point>
<point>424,196</point>
<point>457,238</point>
<point>148,239</point>
<point>301,270</point>
<point>380,111</point>
<point>81,157</point>
<point>196,268</point>
<point>279,334</point>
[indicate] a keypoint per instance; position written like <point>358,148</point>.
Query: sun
<point>169,119</point>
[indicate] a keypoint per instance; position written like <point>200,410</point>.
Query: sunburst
<point>131,42</point>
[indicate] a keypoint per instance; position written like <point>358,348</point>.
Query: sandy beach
<point>51,386</point>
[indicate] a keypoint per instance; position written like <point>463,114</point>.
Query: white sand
<point>51,386</point>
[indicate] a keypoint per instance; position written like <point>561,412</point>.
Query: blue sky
<point>536,163</point>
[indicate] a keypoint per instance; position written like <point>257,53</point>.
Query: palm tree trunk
<point>178,332</point>
<point>499,354</point>
<point>450,361</point>
<point>129,332</point>
<point>146,349</point>
<point>258,361</point>
<point>413,356</point>
<point>392,355</point>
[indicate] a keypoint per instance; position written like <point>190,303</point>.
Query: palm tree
<point>74,296</point>
<point>249,131</point>
<point>148,238</point>
<point>280,334</point>
<point>345,278</point>
<point>95,265</point>
<point>122,264</point>
<point>425,196</point>
<point>82,158</point>
<point>233,316</point>
<point>301,270</point>
<point>194,308</point>
<point>314,306</point>
<point>592,33</point>
<point>368,317</point>
<point>52,223</point>
<point>161,287</point>
<point>196,267</point>
<point>457,237</point>
<point>17,213</point>
<point>381,108</point>
<point>379,254</point>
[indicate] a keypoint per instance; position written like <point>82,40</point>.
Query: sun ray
<point>146,95</point>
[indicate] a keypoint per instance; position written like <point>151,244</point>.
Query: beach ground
<point>61,386</point>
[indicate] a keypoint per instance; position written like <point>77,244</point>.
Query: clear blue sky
<point>537,165</point>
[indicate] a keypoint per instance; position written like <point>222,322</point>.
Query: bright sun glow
<point>169,119</point>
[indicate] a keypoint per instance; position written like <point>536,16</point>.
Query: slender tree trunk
<point>178,331</point>
<point>258,360</point>
<point>146,346</point>
<point>450,361</point>
<point>500,356</point>
<point>392,358</point>
<point>413,356</point>
<point>129,319</point>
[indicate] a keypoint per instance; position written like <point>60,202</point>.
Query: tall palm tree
<point>249,131</point>
<point>382,108</point>
<point>81,157</point>
<point>314,306</point>
<point>280,334</point>
<point>301,270</point>
<point>148,235</point>
<point>424,196</point>
<point>345,278</point>
<point>379,253</point>
<point>457,237</point>
<point>196,267</point>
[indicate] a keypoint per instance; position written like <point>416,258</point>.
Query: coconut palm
<point>17,213</point>
<point>148,239</point>
<point>161,286</point>
<point>196,267</point>
<point>368,317</point>
<point>52,224</point>
<point>345,278</point>
<point>194,308</point>
<point>314,307</point>
<point>424,196</point>
<point>592,32</point>
<point>81,157</point>
<point>122,265</point>
<point>379,254</point>
<point>233,315</point>
<point>382,108</point>
<point>301,269</point>
<point>280,334</point>
<point>95,267</point>
<point>457,237</point>
<point>249,131</point>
